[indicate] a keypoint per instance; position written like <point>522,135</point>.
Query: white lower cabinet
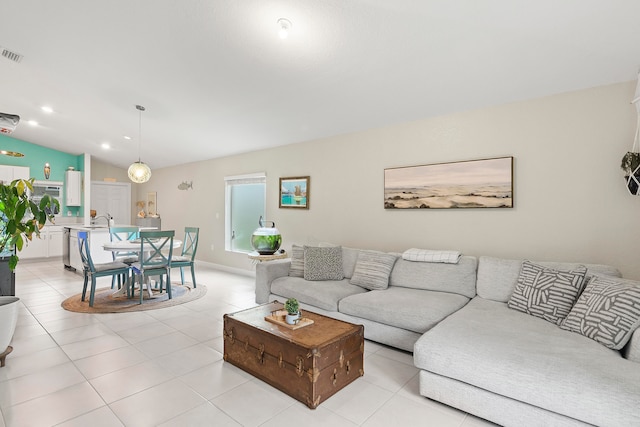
<point>74,251</point>
<point>97,238</point>
<point>48,245</point>
<point>55,241</point>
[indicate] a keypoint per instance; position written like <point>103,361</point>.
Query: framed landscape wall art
<point>484,183</point>
<point>294,192</point>
<point>152,206</point>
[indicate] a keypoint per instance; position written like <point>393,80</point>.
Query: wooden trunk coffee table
<point>310,363</point>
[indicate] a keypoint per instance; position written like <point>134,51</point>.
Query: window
<point>245,203</point>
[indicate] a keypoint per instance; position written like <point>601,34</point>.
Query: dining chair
<point>156,249</point>
<point>118,234</point>
<point>188,256</point>
<point>93,271</point>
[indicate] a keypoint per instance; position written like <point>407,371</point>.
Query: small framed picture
<point>152,206</point>
<point>294,192</point>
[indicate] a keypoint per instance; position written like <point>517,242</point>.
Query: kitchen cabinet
<point>9,173</point>
<point>73,188</point>
<point>149,223</point>
<point>74,251</point>
<point>55,241</point>
<point>48,245</point>
<point>97,237</point>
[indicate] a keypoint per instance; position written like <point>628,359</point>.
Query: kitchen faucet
<point>108,217</point>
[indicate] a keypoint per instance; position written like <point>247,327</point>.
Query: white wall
<point>570,199</point>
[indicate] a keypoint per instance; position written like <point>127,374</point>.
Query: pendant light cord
<point>141,109</point>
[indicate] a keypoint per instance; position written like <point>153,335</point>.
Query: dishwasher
<point>66,254</point>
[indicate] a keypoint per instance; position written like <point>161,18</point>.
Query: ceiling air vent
<point>11,56</point>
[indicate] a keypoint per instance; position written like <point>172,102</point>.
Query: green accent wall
<point>35,156</point>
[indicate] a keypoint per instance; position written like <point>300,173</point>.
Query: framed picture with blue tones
<point>294,192</point>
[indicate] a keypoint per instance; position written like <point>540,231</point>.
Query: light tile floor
<point>165,368</point>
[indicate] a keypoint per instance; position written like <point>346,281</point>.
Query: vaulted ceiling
<point>216,79</point>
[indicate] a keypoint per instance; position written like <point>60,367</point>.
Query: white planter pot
<point>8,319</point>
<point>292,318</point>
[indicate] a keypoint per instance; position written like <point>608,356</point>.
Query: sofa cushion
<point>325,294</point>
<point>323,263</point>
<point>522,357</point>
<point>608,311</point>
<point>373,269</point>
<point>349,259</point>
<point>297,261</point>
<point>497,277</point>
<point>547,293</point>
<point>412,309</point>
<point>459,278</point>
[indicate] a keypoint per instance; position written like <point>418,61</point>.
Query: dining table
<point>132,246</point>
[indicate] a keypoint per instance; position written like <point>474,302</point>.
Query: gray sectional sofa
<point>474,352</point>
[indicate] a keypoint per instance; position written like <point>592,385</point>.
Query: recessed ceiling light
<point>127,137</point>
<point>32,122</point>
<point>284,26</point>
<point>105,146</point>
<point>47,109</point>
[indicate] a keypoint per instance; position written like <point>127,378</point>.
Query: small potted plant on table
<point>293,311</point>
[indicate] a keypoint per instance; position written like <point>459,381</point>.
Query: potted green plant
<point>293,311</point>
<point>630,165</point>
<point>20,219</point>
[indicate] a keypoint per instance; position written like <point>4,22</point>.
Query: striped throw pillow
<point>372,270</point>
<point>547,293</point>
<point>297,261</point>
<point>608,311</point>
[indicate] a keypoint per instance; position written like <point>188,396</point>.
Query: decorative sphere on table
<point>266,240</point>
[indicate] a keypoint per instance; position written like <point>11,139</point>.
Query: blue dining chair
<point>156,249</point>
<point>93,271</point>
<point>188,256</point>
<point>119,234</point>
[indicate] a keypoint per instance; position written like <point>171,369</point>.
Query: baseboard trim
<point>239,271</point>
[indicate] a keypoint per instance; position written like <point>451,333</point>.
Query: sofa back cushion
<point>497,277</point>
<point>457,278</point>
<point>349,259</point>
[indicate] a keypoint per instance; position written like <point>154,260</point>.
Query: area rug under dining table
<point>108,300</point>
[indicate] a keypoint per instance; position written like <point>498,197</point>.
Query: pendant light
<point>138,171</point>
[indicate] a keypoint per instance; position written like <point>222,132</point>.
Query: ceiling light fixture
<point>138,171</point>
<point>284,26</point>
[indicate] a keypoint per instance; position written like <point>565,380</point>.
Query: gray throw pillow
<point>372,270</point>
<point>608,311</point>
<point>547,293</point>
<point>323,263</point>
<point>297,261</point>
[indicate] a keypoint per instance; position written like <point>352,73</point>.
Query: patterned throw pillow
<point>608,311</point>
<point>372,270</point>
<point>297,261</point>
<point>323,263</point>
<point>547,293</point>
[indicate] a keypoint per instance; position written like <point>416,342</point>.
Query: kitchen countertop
<point>95,227</point>
<point>105,228</point>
